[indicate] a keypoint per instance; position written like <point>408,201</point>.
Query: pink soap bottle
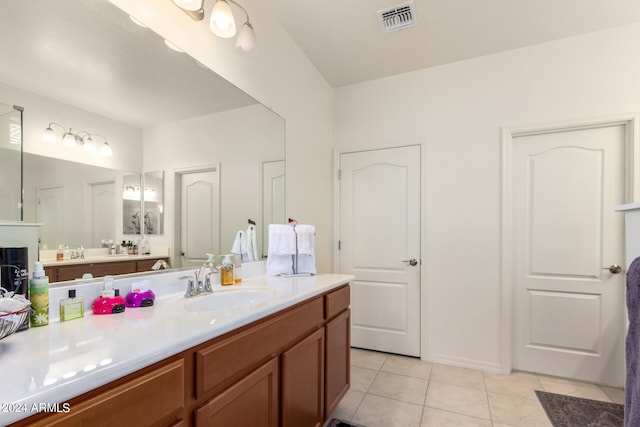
<point>110,302</point>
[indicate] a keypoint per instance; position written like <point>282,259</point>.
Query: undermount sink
<point>229,300</point>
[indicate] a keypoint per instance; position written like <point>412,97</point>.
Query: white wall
<point>456,112</point>
<point>39,111</point>
<point>279,76</point>
<point>239,141</point>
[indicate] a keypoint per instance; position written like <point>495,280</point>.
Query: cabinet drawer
<point>129,403</point>
<point>221,364</point>
<point>252,401</point>
<point>337,301</point>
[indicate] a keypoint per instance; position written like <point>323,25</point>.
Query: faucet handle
<point>207,282</point>
<point>190,291</point>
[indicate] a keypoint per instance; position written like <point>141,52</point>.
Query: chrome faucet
<point>205,285</point>
<point>200,282</point>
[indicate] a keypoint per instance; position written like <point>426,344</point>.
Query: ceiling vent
<point>397,17</point>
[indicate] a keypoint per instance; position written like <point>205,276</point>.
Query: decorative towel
<point>306,239</point>
<point>288,245</point>
<point>632,389</point>
<point>282,240</point>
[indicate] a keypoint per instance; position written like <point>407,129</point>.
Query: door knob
<point>613,268</point>
<point>412,262</point>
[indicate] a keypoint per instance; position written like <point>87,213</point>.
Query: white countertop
<point>54,363</point>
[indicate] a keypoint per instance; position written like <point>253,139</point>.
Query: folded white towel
<point>282,240</point>
<point>287,242</point>
<point>306,239</point>
<point>279,264</point>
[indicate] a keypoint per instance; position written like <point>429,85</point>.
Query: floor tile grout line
<point>486,394</point>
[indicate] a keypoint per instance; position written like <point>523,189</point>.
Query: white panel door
<point>379,234</point>
<point>569,308</point>
<point>103,212</point>
<point>51,215</point>
<point>273,198</point>
<point>199,216</point>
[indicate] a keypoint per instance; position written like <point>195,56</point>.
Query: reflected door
<point>51,216</point>
<point>273,198</point>
<point>199,216</point>
<point>103,212</point>
<point>380,245</point>
<point>569,307</point>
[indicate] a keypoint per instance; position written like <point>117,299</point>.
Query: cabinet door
<point>251,402</point>
<point>303,382</point>
<point>337,355</point>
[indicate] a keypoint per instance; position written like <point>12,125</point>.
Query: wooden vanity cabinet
<point>290,369</point>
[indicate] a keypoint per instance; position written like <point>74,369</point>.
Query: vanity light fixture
<point>71,139</point>
<point>222,23</point>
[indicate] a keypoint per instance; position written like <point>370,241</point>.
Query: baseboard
<point>464,363</point>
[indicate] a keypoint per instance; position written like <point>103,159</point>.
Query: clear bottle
<point>39,297</point>
<point>237,266</point>
<point>72,307</point>
<point>227,271</point>
<point>60,253</point>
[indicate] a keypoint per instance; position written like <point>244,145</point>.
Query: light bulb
<point>49,136</point>
<point>69,139</point>
<point>191,5</point>
<point>89,145</point>
<point>222,23</point>
<point>105,150</point>
<point>246,40</point>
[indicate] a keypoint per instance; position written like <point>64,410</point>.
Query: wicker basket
<point>9,322</point>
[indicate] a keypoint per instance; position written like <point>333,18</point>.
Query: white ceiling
<point>345,42</point>
<point>102,62</point>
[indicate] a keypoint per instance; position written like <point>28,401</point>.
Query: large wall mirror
<point>87,65</point>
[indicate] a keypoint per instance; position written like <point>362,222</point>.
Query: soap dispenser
<point>227,271</point>
<point>110,301</point>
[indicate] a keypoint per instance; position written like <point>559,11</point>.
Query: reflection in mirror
<point>76,203</point>
<point>153,202</point>
<point>10,161</point>
<point>131,204</point>
<point>110,75</point>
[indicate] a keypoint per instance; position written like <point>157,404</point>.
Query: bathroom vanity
<point>269,352</point>
<point>58,271</point>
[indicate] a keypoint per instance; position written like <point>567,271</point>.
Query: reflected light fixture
<point>222,22</point>
<point>71,139</point>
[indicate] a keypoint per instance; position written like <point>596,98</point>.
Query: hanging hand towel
<point>240,246</point>
<point>306,239</point>
<point>252,245</point>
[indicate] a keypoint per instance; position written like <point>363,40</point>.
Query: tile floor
<point>389,390</point>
